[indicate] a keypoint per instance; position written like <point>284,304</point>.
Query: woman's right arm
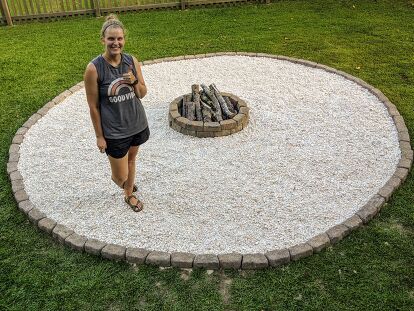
<point>92,96</point>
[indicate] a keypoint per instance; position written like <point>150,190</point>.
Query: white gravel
<point>317,148</point>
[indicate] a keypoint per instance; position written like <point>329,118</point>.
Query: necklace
<point>111,61</point>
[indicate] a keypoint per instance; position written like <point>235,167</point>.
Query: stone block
<point>113,252</point>
<point>244,110</point>
<point>222,133</point>
<point>94,247</point>
<point>300,251</point>
<point>189,56</point>
<point>182,122</point>
<point>400,124</point>
<point>17,185</point>
<point>195,125</point>
<point>32,120</point>
<point>254,261</point>
<point>278,257</point>
<point>58,99</point>
<point>205,134</point>
<point>14,148</point>
<point>403,136</point>
<point>14,157</point>
<point>136,255</point>
<point>337,233</point>
<point>386,192</point>
<point>230,261</point>
<point>157,258</point>
<point>43,111</point>
<point>228,124</point>
<point>408,154</point>
<point>239,118</point>
<point>371,208</point>
<point>61,232</point>
<point>49,105</point>
<point>174,114</point>
<point>319,242</point>
<point>188,132</point>
<point>20,196</point>
<point>405,163</point>
<point>25,206</point>
<point>207,261</point>
<point>174,106</point>
<point>394,182</point>
<point>22,131</point>
<point>182,260</point>
<point>46,225</point>
<point>211,127</point>
<point>15,176</point>
<point>404,145</point>
<point>11,167</point>
<point>401,173</point>
<point>35,215</point>
<point>353,222</point>
<point>76,242</point>
<point>75,88</point>
<point>17,139</point>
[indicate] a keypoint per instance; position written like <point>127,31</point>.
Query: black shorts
<point>118,148</point>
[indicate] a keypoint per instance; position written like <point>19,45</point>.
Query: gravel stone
<point>94,246</point>
<point>25,206</point>
<point>46,225</point>
<point>254,261</point>
<point>162,259</point>
<point>353,222</point>
<point>182,260</point>
<point>136,255</point>
<point>278,257</point>
<point>319,242</point>
<point>287,166</point>
<point>230,261</point>
<point>337,233</point>
<point>300,251</point>
<point>76,242</point>
<point>35,215</point>
<point>61,232</point>
<point>114,252</point>
<point>20,196</point>
<point>206,261</point>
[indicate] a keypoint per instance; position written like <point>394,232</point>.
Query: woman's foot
<point>133,202</point>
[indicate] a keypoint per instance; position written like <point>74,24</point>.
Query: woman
<point>114,85</point>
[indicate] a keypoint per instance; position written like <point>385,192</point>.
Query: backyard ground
<point>372,269</point>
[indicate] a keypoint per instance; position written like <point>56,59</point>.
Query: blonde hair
<point>111,21</point>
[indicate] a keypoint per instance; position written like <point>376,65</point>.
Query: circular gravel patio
<point>321,149</point>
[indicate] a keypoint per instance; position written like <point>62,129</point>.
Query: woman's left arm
<point>140,88</point>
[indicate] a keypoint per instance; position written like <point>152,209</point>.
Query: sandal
<point>135,207</point>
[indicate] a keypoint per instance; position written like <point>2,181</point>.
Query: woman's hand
<point>130,77</point>
<point>101,143</point>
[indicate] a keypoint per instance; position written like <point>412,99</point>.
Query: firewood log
<point>195,90</point>
<point>217,108</point>
<point>207,112</point>
<point>221,101</point>
<point>229,105</point>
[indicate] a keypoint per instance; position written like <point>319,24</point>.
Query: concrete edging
<point>271,258</point>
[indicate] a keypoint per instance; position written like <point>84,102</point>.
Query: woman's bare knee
<point>120,179</point>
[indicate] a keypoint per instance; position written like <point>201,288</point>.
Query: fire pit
<point>208,113</point>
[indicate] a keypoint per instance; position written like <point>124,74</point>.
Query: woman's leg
<point>132,154</point>
<point>119,168</point>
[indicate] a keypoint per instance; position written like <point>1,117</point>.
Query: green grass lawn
<point>372,269</point>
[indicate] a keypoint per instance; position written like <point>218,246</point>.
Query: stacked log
<point>207,105</point>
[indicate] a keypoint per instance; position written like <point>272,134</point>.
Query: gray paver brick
<point>254,261</point>
<point>207,261</point>
<point>21,131</point>
<point>230,261</point>
<point>353,222</point>
<point>300,251</point>
<point>17,185</point>
<point>15,176</point>
<point>114,252</point>
<point>61,232</point>
<point>11,167</point>
<point>319,242</point>
<point>17,139</point>
<point>403,136</point>
<point>182,260</point>
<point>32,120</point>
<point>278,257</point>
<point>337,233</point>
<point>401,173</point>
<point>386,192</point>
<point>21,195</point>
<point>35,215</point>
<point>371,208</point>
<point>14,157</point>
<point>14,148</point>
<point>162,259</point>
<point>405,163</point>
<point>76,242</point>
<point>25,206</point>
<point>94,246</point>
<point>46,225</point>
<point>136,255</point>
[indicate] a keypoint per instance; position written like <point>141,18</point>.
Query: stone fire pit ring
<point>209,129</point>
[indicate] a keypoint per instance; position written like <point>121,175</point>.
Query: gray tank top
<point>122,113</point>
